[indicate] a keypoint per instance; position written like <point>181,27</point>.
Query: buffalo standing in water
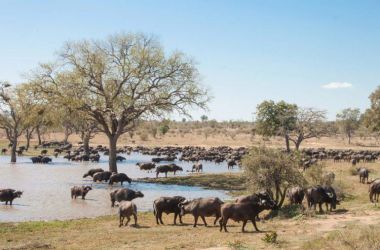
<point>8,195</point>
<point>120,177</point>
<point>80,191</point>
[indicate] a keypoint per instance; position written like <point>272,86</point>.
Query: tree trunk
<point>287,143</point>
<point>67,134</point>
<point>298,143</point>
<point>39,135</point>
<point>112,154</point>
<point>282,199</point>
<point>349,138</point>
<point>14,148</point>
<point>28,137</point>
<point>86,143</point>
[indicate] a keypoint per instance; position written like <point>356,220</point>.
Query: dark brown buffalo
<point>93,171</point>
<point>80,191</point>
<point>363,174</point>
<point>167,168</point>
<point>296,195</point>
<point>146,166</point>
<point>8,195</point>
<point>202,207</point>
<point>319,195</point>
<point>167,205</point>
<point>374,191</point>
<point>243,212</point>
<point>102,176</point>
<point>120,177</point>
<point>255,198</point>
<point>124,194</point>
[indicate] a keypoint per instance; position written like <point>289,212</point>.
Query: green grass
<point>229,182</point>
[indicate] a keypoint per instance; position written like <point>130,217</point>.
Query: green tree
<point>121,80</point>
<point>15,112</point>
<point>204,118</point>
<point>273,171</point>
<point>276,119</point>
<point>348,121</point>
<point>164,127</point>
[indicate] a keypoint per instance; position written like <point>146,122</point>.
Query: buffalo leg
<point>216,219</point>
<point>195,220</point>
<point>242,228</point>
<point>221,224</point>
<point>157,219</point>
<point>204,220</point>
<point>254,224</point>
<point>160,217</point>
<point>320,207</point>
<point>225,225</point>
<point>175,218</point>
<point>121,220</point>
<point>180,218</point>
<point>128,220</point>
<point>135,219</point>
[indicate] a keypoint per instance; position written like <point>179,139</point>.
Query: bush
<point>270,238</point>
<point>290,211</point>
<point>143,136</point>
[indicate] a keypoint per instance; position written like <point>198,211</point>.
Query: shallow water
<point>47,188</point>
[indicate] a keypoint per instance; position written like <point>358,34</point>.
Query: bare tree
<point>309,123</point>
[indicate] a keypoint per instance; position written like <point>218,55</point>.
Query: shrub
<point>272,170</point>
<point>270,237</point>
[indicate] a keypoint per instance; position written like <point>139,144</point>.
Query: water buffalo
<point>167,168</point>
<point>41,159</point>
<point>80,191</point>
<point>374,191</point>
<point>120,158</point>
<point>93,171</point>
<point>363,174</point>
<point>231,164</point>
<point>319,195</point>
<point>296,195</point>
<point>254,198</point>
<point>198,167</point>
<point>102,176</point>
<point>124,194</point>
<point>127,209</point>
<point>202,207</point>
<point>120,177</point>
<point>243,212</point>
<point>146,166</point>
<point>8,195</point>
<point>167,205</point>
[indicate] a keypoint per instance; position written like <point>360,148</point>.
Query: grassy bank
<point>233,182</point>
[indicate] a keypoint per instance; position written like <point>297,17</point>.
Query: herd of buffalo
<point>244,208</point>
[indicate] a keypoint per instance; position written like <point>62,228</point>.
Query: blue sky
<point>247,51</point>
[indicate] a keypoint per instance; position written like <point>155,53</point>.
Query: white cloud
<point>337,85</point>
